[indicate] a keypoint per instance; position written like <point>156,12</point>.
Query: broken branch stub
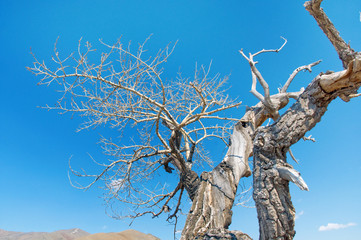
<point>292,175</point>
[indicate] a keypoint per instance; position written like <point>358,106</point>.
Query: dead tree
<point>272,173</point>
<point>173,117</point>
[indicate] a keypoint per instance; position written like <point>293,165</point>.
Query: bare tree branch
<point>345,52</point>
<point>277,101</point>
<point>125,89</point>
<point>295,72</point>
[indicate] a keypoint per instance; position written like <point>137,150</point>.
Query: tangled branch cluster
<point>125,90</point>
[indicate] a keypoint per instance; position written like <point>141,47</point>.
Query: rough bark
<point>272,173</point>
<point>188,177</point>
<point>276,213</point>
<point>345,52</point>
<point>212,193</point>
<point>191,181</point>
<point>211,213</point>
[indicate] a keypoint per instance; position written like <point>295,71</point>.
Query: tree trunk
<point>276,214</point>
<point>211,213</point>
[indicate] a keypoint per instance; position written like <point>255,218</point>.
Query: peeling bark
<point>211,213</point>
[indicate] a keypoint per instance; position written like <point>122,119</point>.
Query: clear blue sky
<point>35,145</point>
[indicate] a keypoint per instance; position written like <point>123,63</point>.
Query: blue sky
<point>35,144</point>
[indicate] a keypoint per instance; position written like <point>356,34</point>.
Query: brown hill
<point>70,234</point>
<point>125,235</point>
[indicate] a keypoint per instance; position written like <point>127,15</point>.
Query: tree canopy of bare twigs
<point>125,90</point>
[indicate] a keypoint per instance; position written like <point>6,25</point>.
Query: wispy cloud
<point>335,226</point>
<point>115,185</point>
<point>298,215</point>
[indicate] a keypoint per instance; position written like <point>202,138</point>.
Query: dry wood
<point>172,117</point>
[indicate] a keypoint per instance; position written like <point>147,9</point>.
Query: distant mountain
<point>75,234</point>
<point>70,234</point>
<point>125,235</point>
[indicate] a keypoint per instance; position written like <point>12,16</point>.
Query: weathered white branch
<point>292,175</point>
<point>292,156</point>
<point>271,50</point>
<point>295,95</point>
<point>277,101</point>
<point>354,95</point>
<point>295,72</point>
<point>309,138</point>
<point>256,75</point>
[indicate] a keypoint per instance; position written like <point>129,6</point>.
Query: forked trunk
<point>211,214</point>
